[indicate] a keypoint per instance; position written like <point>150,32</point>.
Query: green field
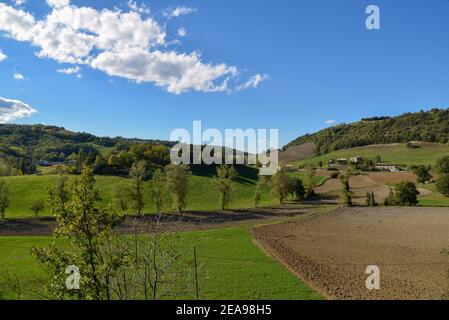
<point>434,200</point>
<point>202,195</point>
<point>428,153</point>
<point>231,267</point>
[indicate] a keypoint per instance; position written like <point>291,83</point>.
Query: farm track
<point>331,252</point>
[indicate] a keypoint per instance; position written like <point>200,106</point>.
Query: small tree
<point>296,188</point>
<point>346,194</point>
<point>178,184</point>
<point>120,198</point>
<point>58,192</point>
<point>37,206</point>
<point>158,191</point>
<point>422,174</point>
<point>370,199</point>
<point>259,189</point>
<point>310,181</point>
<point>442,165</point>
<point>4,198</point>
<point>137,174</point>
<point>443,184</point>
<point>224,178</point>
<point>406,194</point>
<point>280,185</point>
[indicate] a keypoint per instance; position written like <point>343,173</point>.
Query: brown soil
<point>392,177</point>
<point>332,251</point>
<point>185,222</point>
<point>296,153</point>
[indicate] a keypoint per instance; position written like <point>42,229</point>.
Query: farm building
<point>387,167</point>
<point>356,160</point>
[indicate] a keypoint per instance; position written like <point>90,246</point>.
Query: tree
<point>442,165</point>
<point>37,206</point>
<point>178,184</point>
<point>4,198</point>
<point>310,181</point>
<point>259,189</point>
<point>280,185</point>
<point>158,191</point>
<point>422,174</point>
<point>120,198</point>
<point>88,228</point>
<point>224,178</point>
<point>370,199</point>
<point>442,183</point>
<point>346,194</point>
<point>58,193</point>
<point>406,194</point>
<point>137,174</point>
<point>296,188</point>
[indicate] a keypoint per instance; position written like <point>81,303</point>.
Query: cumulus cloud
<point>141,8</point>
<point>18,76</point>
<point>74,70</point>
<point>19,2</point>
<point>123,44</point>
<point>331,122</point>
<point>11,110</point>
<point>2,56</point>
<point>182,32</point>
<point>253,82</point>
<point>178,11</point>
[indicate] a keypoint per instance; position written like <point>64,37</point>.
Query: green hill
<point>424,153</point>
<point>431,126</point>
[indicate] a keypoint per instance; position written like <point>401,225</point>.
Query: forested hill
<point>23,146</point>
<point>430,126</point>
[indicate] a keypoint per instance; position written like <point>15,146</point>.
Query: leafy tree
<point>37,206</point>
<point>422,173</point>
<point>370,199</point>
<point>178,184</point>
<point>224,178</point>
<point>88,228</point>
<point>280,185</point>
<point>4,198</point>
<point>158,191</point>
<point>121,197</point>
<point>58,192</point>
<point>406,194</point>
<point>261,182</point>
<point>442,165</point>
<point>346,194</point>
<point>137,174</point>
<point>443,184</point>
<point>310,181</point>
<point>296,188</point>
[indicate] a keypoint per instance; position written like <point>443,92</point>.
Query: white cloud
<point>73,70</point>
<point>11,110</point>
<point>142,8</point>
<point>182,32</point>
<point>19,2</point>
<point>123,44</point>
<point>2,56</point>
<point>253,82</point>
<point>58,3</point>
<point>331,122</point>
<point>18,76</point>
<point>178,11</point>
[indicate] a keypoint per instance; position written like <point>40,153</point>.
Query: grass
<point>231,267</point>
<point>436,199</point>
<point>428,153</point>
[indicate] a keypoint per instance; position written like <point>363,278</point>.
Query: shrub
<point>443,184</point>
<point>406,194</point>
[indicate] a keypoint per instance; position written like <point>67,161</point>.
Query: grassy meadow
<point>231,267</point>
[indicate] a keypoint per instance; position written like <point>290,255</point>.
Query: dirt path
<point>332,251</point>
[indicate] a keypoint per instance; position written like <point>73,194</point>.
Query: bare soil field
<point>392,177</point>
<point>332,251</point>
<point>299,152</point>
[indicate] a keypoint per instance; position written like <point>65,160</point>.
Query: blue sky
<point>317,60</point>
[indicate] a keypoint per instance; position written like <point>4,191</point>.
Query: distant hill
<point>299,152</point>
<point>23,146</point>
<point>431,126</point>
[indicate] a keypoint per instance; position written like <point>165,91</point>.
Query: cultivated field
<point>331,252</point>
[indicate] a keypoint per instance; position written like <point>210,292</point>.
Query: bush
<point>443,184</point>
<point>442,165</point>
<point>335,175</point>
<point>405,194</point>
